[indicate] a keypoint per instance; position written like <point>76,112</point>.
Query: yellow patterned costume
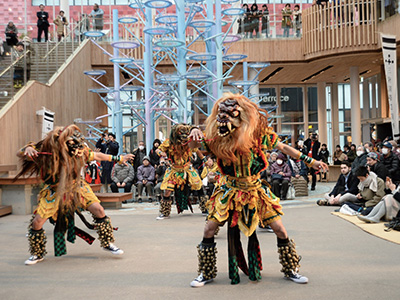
<point>241,194</point>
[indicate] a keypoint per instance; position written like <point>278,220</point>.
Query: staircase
<point>43,66</point>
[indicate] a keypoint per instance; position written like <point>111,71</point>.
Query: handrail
<point>70,33</point>
<point>12,65</point>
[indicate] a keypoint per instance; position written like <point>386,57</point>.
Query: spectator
<point>299,145</point>
<point>139,153</point>
<point>286,20</point>
<point>338,156</point>
<point>297,20</point>
<point>1,47</point>
<point>154,157</point>
<point>18,54</point>
<point>61,23</point>
<point>299,177</point>
<point>375,166</point>
<point>122,176</point>
<point>97,15</point>
<point>369,147</point>
<point>11,34</point>
<point>42,24</point>
<point>313,146</point>
<point>255,20</point>
<point>395,149</point>
<point>371,189</point>
<point>107,144</point>
<point>265,20</point>
<point>347,183</point>
<point>391,162</point>
<point>209,175</point>
<point>320,2</point>
<point>84,26</point>
<point>350,152</point>
<point>361,159</point>
<point>93,173</point>
<point>324,153</point>
<point>281,174</point>
<point>388,207</point>
<point>266,174</point>
<point>145,178</point>
<point>246,20</point>
<point>160,171</point>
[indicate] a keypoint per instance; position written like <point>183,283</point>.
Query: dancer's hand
<point>319,165</point>
<point>126,158</point>
<point>196,135</point>
<point>30,152</point>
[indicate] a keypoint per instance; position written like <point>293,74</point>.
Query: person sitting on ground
<point>391,162</point>
<point>361,159</point>
<point>145,178</point>
<point>369,147</point>
<point>280,173</point>
<point>338,156</point>
<point>346,184</point>
<point>374,165</point>
<point>371,190</point>
<point>122,176</point>
<point>350,152</point>
<point>388,207</point>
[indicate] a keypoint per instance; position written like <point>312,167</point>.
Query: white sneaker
<point>33,260</point>
<point>199,281</point>
<point>296,277</point>
<point>114,249</point>
<point>162,217</point>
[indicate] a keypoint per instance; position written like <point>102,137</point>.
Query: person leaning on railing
<point>97,15</point>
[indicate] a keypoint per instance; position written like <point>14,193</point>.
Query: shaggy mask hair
<point>61,166</point>
<point>179,137</point>
<point>235,126</point>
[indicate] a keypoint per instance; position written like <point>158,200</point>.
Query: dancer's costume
<point>63,149</point>
<point>242,199</point>
<point>180,177</point>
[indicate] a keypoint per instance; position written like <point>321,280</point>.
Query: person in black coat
<point>361,159</point>
<point>313,146</point>
<point>347,183</point>
<point>139,153</point>
<point>375,166</point>
<point>154,157</point>
<point>107,144</point>
<point>42,23</point>
<point>391,162</point>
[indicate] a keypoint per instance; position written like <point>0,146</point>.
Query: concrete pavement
<point>160,260</point>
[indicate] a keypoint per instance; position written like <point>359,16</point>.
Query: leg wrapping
<point>202,204</point>
<point>288,257</point>
<point>254,255</point>
<point>105,231</point>
<point>37,242</point>
<point>207,255</point>
<point>216,231</point>
<point>165,206</point>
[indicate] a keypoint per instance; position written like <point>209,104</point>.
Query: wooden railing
<point>340,26</point>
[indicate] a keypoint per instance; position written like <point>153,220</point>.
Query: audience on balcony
<point>286,20</point>
<point>255,15</point>
<point>265,20</point>
<point>97,15</point>
<point>11,34</point>
<point>297,20</point>
<point>42,24</point>
<point>61,22</point>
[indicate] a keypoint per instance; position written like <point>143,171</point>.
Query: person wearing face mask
<point>281,173</point>
<point>369,147</point>
<point>374,165</point>
<point>391,162</point>
<point>361,159</point>
<point>139,153</point>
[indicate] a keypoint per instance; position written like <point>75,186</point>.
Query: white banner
<point>48,121</point>
<point>390,63</point>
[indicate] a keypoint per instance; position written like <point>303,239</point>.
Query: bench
<point>96,187</point>
<point>5,170</point>
<point>20,194</point>
<point>113,200</point>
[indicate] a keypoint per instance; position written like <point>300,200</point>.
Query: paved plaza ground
<point>160,260</point>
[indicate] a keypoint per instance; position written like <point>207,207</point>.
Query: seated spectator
<point>11,34</point>
<point>375,166</point>
<point>346,184</point>
<point>210,172</point>
<point>145,178</point>
<point>266,174</point>
<point>299,177</point>
<point>338,156</point>
<point>122,176</point>
<point>299,145</point>
<point>324,154</point>
<point>369,147</point>
<point>154,157</point>
<point>280,174</point>
<point>371,189</point>
<point>160,171</point>
<point>350,152</point>
<point>93,173</point>
<point>391,162</point>
<point>388,207</point>
<point>360,160</point>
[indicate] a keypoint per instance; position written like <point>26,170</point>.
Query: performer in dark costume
<point>237,134</point>
<point>180,176</point>
<point>59,159</point>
